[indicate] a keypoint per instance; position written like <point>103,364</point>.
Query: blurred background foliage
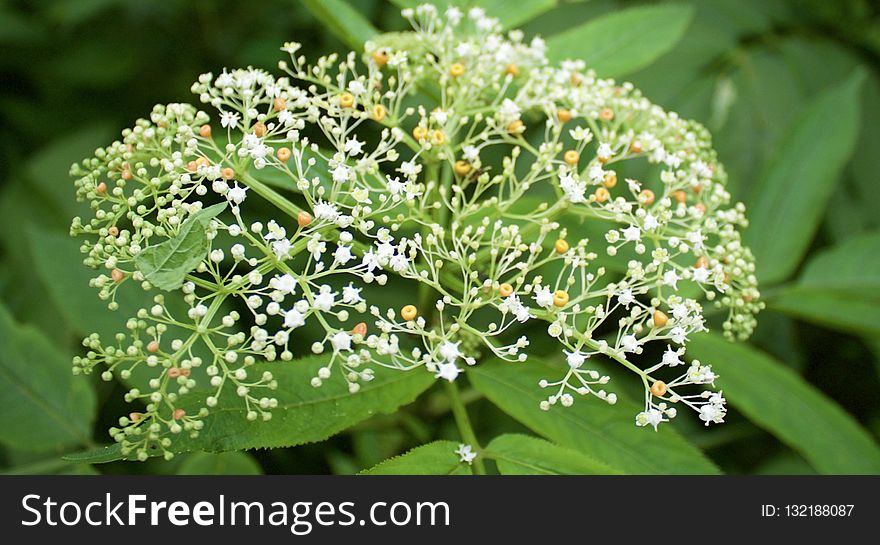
<point>789,89</point>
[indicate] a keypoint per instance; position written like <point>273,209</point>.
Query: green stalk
<point>463,422</point>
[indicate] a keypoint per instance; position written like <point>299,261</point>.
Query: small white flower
<point>285,284</point>
<point>351,295</point>
<point>672,357</point>
<point>281,249</point>
<point>575,359</point>
<point>294,318</point>
<point>325,300</point>
<point>651,417</point>
<point>449,351</point>
<point>508,111</point>
<point>341,340</point>
<point>700,274</point>
<point>237,194</point>
<point>629,343</point>
<point>341,174</point>
<point>632,233</point>
<point>543,297</point>
<point>353,147</point>
<point>356,87</point>
<point>466,453</point>
<point>326,211</point>
<point>671,278</point>
<point>343,254</point>
<point>229,120</point>
<point>447,371</point>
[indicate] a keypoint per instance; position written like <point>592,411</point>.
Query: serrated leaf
<point>624,41</point>
<point>165,265</point>
<point>43,407</point>
<point>343,20</point>
<point>789,200</point>
<point>304,414</point>
<point>781,402</point>
<point>437,458</point>
<point>224,463</point>
<point>604,432</point>
<point>517,454</point>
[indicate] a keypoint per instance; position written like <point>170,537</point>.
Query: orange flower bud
<point>409,312</point>
<point>380,57</point>
<point>561,246</point>
<point>660,318</point>
<point>560,298</point>
<point>610,180</point>
<point>658,388</point>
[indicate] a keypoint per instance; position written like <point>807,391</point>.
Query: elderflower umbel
<point>477,196</point>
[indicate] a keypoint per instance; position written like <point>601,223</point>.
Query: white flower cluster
<point>453,156</point>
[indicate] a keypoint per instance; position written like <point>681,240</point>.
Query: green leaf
<point>166,264</point>
<point>789,199</point>
<point>525,11</point>
<point>343,20</point>
<point>604,432</point>
<point>437,458</point>
<point>517,454</point>
<point>622,42</point>
<point>97,455</point>
<point>225,463</point>
<point>43,407</point>
<point>781,402</point>
<point>58,263</point>
<point>835,310</point>
<point>852,267</point>
<point>304,414</point>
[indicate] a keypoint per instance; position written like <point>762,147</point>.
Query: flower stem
<point>463,421</point>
